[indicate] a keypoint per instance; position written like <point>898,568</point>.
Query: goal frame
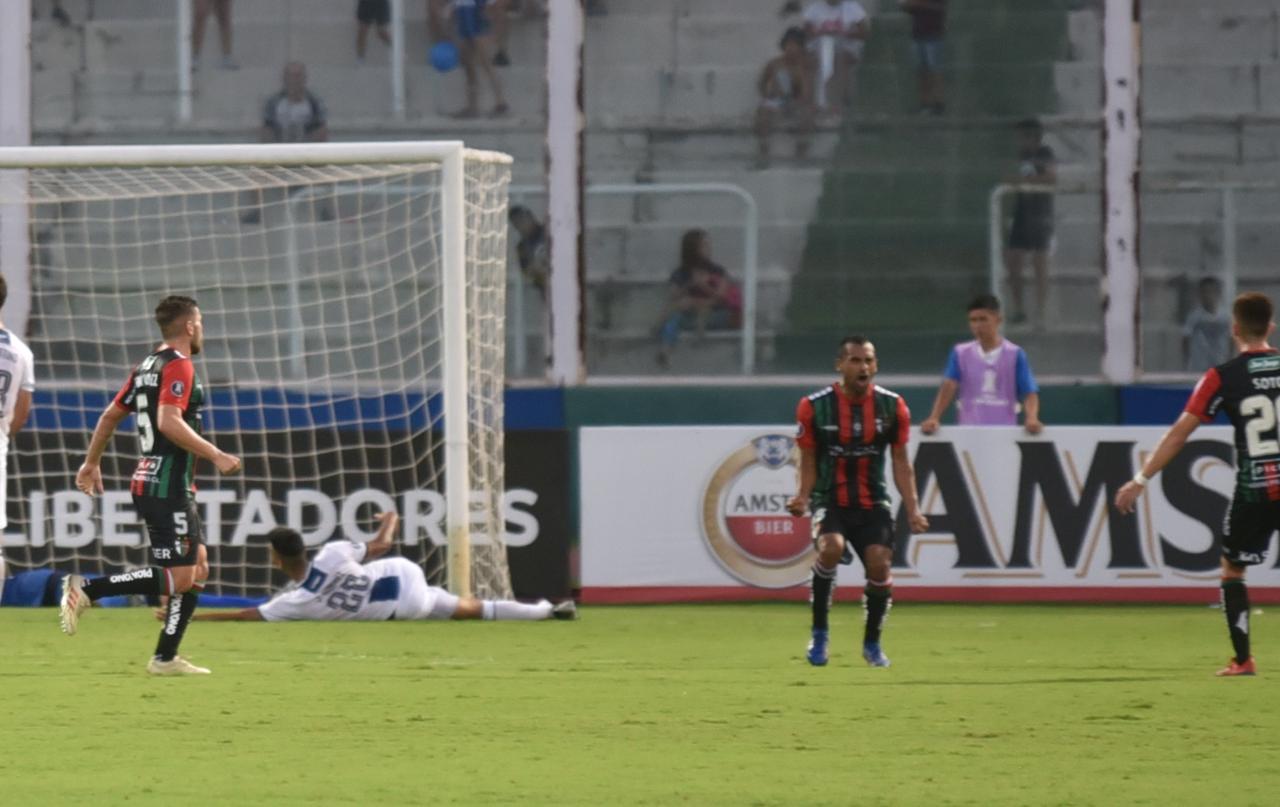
<point>452,156</point>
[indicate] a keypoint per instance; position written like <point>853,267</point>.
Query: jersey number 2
<point>1263,413</point>
<point>145,428</point>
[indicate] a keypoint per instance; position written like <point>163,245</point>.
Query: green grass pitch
<point>658,705</point>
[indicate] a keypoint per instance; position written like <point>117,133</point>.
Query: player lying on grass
<point>345,581</point>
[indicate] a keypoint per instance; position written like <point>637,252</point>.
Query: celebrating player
<point>345,581</point>
<point>17,382</point>
<point>1247,387</point>
<point>843,432</point>
<point>166,395</point>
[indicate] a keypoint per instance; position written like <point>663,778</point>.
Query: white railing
<point>750,259</point>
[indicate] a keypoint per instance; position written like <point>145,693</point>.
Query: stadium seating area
<point>889,215</point>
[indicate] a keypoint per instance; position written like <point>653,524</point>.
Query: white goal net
<point>323,278</point>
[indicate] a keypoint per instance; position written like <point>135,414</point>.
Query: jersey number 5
<point>1263,413</point>
<point>145,429</point>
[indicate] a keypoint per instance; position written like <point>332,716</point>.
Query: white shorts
<point>421,601</point>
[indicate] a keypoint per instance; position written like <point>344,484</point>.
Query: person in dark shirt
<point>1032,230</point>
<point>702,295</point>
<point>928,26</point>
<point>532,248</point>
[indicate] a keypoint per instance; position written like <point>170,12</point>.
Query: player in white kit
<point>344,581</point>
<point>17,382</point>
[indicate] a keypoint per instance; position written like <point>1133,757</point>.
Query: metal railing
<point>750,261</point>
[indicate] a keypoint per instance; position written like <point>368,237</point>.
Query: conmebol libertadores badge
<point>744,515</point>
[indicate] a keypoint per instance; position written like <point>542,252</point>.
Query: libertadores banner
<point>694,513</point>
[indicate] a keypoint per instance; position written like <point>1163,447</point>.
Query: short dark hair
<point>1209,282</point>
<point>1030,126</point>
<point>287,543</point>
<point>4,291</point>
<point>171,309</point>
<point>1253,311</point>
<point>517,211</point>
<point>796,33</point>
<point>856,339</point>
<point>984,302</point>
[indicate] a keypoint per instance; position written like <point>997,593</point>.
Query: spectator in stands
<point>928,25</point>
<point>990,375</point>
<point>1206,335</point>
<point>293,115</point>
<point>596,8</point>
<point>786,91</point>
<point>56,12</point>
<point>473,32</point>
<point>703,295</point>
<point>370,13</point>
<point>837,32</point>
<point>1032,230</point>
<point>222,10</point>
<point>532,250</point>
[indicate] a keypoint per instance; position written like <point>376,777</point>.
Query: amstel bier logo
<point>745,520</point>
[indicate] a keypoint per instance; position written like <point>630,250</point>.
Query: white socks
<point>508,610</point>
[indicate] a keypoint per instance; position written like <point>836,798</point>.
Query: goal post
<point>406,240</point>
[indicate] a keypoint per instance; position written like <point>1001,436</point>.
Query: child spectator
<point>786,91</point>
<point>1206,335</point>
<point>703,295</point>
<point>474,35</point>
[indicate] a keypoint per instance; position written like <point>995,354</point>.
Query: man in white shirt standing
<point>344,581</point>
<point>17,382</point>
<point>837,31</point>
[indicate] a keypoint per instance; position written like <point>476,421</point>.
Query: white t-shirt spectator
<point>293,121</point>
<point>823,19</point>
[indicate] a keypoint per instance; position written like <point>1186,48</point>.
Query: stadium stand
<point>890,208</point>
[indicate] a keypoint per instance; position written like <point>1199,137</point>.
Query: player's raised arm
<point>89,477</point>
<point>382,542</point>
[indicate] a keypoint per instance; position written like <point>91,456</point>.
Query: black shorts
<point>859,528</point>
<point>371,11</point>
<point>173,529</point>
<point>1031,233</point>
<point>1246,532</point>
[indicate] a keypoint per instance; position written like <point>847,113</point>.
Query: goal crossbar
<point>452,155</point>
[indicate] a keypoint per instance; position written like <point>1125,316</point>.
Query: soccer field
<point>657,705</point>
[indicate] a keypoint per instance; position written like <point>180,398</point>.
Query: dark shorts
<point>371,11</point>
<point>472,22</point>
<point>1246,532</point>
<point>859,528</point>
<point>173,529</point>
<point>1031,233</point>
<point>928,54</point>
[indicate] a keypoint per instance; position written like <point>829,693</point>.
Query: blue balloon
<point>444,56</point>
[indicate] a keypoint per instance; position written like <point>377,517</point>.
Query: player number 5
<point>145,429</point>
<point>1263,413</point>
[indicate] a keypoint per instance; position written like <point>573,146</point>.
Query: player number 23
<point>1263,414</point>
<point>350,595</point>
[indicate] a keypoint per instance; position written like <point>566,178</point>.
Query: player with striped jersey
<point>1247,389</point>
<point>346,581</point>
<point>165,394</point>
<point>17,382</point>
<point>844,431</point>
